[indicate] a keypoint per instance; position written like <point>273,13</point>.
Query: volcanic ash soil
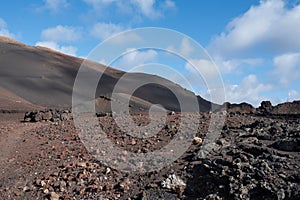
<point>255,157</point>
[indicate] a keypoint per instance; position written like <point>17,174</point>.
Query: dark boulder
<point>265,107</point>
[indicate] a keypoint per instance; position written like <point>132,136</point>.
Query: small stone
<point>46,191</point>
<point>248,129</point>
<point>38,182</point>
<point>153,185</point>
<point>197,140</point>
<point>37,117</point>
<point>133,142</point>
<point>125,185</point>
<point>62,189</point>
<point>124,153</point>
<point>64,117</point>
<point>172,182</point>
<point>47,115</point>
<point>206,166</point>
<point>108,170</point>
<point>280,194</point>
<point>54,196</point>
<point>172,113</point>
<point>55,174</point>
<point>26,189</point>
<point>179,190</point>
<point>43,183</point>
<point>212,197</point>
<point>221,142</point>
<point>282,176</point>
<point>16,192</point>
<point>81,164</point>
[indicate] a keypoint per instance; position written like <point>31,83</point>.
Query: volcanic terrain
<point>256,154</point>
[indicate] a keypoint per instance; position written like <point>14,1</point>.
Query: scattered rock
<point>255,157</point>
<point>101,114</point>
<point>265,107</point>
<point>197,140</point>
<point>287,145</point>
<point>212,197</point>
<point>81,164</point>
<point>54,196</point>
<point>172,182</point>
<point>26,189</point>
<point>48,115</point>
<point>172,113</point>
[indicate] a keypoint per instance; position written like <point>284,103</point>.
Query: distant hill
<point>291,108</point>
<point>44,77</point>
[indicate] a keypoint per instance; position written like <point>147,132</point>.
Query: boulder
<point>265,107</point>
<point>47,115</point>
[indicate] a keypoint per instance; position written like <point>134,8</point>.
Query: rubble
<point>255,157</point>
<point>48,115</point>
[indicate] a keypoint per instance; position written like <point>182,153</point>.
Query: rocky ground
<point>255,157</point>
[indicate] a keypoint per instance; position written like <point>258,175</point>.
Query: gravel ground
<point>255,157</point>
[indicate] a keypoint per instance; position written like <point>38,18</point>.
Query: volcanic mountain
<point>38,76</point>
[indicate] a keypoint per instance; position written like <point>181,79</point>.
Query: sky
<point>255,44</point>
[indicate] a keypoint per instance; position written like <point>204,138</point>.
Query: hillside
<point>45,78</point>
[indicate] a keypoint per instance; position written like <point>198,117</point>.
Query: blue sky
<point>255,44</point>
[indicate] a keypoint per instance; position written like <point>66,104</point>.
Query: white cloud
<point>203,67</point>
<point>153,8</point>
<point>271,26</point>
<point>148,8</point>
<point>169,4</point>
<point>232,65</point>
<point>287,67</point>
<point>54,5</point>
<point>250,90</point>
<point>104,30</point>
<point>269,29</point>
<point>293,95</point>
<point>52,36</point>
<point>185,48</point>
<point>101,5</point>
<point>134,57</point>
<point>96,2</point>
<point>70,50</point>
<point>126,38</point>
<point>4,30</point>
<point>61,33</point>
<point>2,23</point>
<point>202,73</point>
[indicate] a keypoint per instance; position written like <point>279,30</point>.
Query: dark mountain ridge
<point>45,77</point>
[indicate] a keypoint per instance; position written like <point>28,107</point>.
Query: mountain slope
<point>45,77</point>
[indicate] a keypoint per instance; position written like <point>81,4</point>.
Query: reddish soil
<point>47,160</point>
